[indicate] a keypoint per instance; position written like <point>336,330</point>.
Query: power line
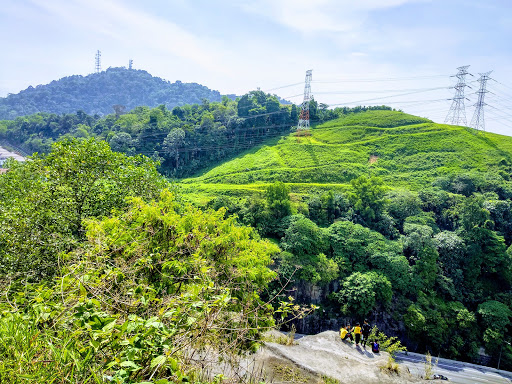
<point>284,86</point>
<point>387,97</point>
<point>375,91</point>
<point>367,80</point>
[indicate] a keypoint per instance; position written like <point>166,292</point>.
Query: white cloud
<point>309,16</point>
<point>133,27</point>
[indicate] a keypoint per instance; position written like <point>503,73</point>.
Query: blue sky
<point>358,50</point>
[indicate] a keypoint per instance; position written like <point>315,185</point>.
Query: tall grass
<point>30,355</point>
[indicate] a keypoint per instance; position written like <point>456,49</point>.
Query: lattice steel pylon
<point>478,121</point>
<point>98,61</point>
<point>457,113</point>
<point>304,108</point>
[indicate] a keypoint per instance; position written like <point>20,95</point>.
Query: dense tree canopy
<point>114,90</point>
<point>183,138</point>
<point>44,201</point>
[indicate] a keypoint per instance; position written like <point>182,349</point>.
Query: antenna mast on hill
<point>478,121</point>
<point>304,108</point>
<point>130,64</point>
<point>98,61</point>
<point>457,113</point>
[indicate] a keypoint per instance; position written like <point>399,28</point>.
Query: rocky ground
<point>324,358</point>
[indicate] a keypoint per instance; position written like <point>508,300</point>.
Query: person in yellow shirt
<point>345,333</point>
<point>357,333</point>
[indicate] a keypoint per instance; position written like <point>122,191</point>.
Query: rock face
<point>324,358</point>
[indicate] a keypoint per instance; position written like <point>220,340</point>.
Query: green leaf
<point>159,360</point>
<point>129,364</point>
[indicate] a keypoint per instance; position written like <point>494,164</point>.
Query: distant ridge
<point>97,94</point>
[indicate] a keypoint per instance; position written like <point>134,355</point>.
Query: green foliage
<point>442,325</point>
<point>357,245</point>
<point>389,344</point>
<point>314,269</point>
<point>184,139</point>
<point>439,231</point>
<point>367,196</point>
<point>325,208</point>
<point>152,285</point>
<point>384,119</point>
<point>495,318</point>
<point>99,93</point>
<point>408,154</point>
<point>278,200</point>
<point>361,292</point>
<point>433,201</point>
<point>303,237</point>
<point>495,314</point>
<point>488,266</point>
<point>44,201</point>
<point>403,204</point>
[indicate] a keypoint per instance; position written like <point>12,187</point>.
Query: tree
<point>367,196</point>
<point>303,237</point>
<point>314,269</point>
<point>149,283</point>
<point>44,201</point>
<point>361,292</point>
<point>422,254</point>
<point>487,264</point>
<point>452,254</point>
<point>173,143</point>
<point>122,142</point>
<point>278,200</point>
<point>495,318</point>
<point>402,204</point>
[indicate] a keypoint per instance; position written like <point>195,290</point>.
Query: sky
<point>401,53</point>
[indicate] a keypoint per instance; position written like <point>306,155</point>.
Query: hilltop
<point>97,93</point>
<point>407,151</point>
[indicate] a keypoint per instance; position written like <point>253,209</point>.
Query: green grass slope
<point>406,151</point>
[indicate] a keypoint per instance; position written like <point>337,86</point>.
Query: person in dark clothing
<point>365,330</point>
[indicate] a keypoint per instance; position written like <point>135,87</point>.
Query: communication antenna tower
<point>98,61</point>
<point>304,109</point>
<point>478,121</point>
<point>130,64</point>
<point>457,113</point>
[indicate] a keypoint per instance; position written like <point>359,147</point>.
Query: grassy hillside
<point>406,151</point>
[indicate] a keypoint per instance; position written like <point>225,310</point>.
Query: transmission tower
<point>98,61</point>
<point>478,121</point>
<point>130,64</point>
<point>304,108</point>
<point>457,113</point>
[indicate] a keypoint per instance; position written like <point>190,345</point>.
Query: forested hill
<point>99,92</point>
<point>184,139</point>
<point>385,216</point>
